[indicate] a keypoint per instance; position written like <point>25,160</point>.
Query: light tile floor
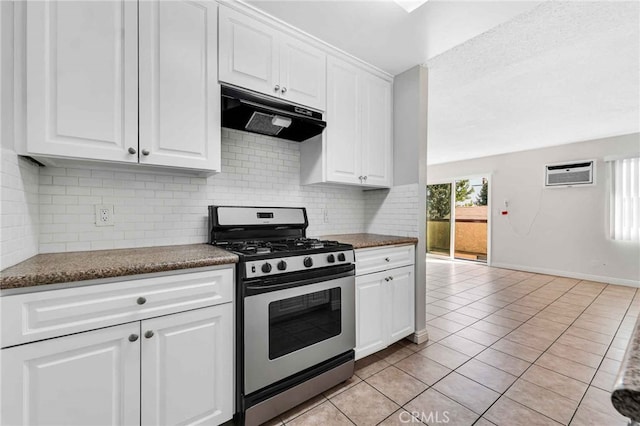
<point>506,348</point>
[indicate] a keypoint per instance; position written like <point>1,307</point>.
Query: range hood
<point>248,111</point>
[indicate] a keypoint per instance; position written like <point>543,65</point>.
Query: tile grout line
<point>605,354</point>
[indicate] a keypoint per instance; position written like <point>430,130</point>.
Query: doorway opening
<point>458,219</point>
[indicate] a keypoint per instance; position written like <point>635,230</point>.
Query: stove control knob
<point>341,257</point>
<point>331,258</point>
<point>282,265</point>
<point>266,268</point>
<point>308,262</point>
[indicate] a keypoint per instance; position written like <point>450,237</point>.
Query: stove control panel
<point>266,267</point>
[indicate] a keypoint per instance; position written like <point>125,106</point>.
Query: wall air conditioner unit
<point>574,173</point>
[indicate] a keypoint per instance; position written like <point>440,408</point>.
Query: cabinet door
<point>376,131</point>
<point>401,299</point>
<point>187,367</point>
<point>371,313</point>
<point>249,54</point>
<point>82,79</point>
<point>303,75</point>
<point>343,115</point>
<point>90,378</point>
<point>179,90</point>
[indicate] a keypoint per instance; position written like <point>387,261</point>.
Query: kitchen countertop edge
<point>79,267</point>
<point>366,240</point>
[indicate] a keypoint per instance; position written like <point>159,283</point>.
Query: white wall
<point>561,231</point>
<point>153,209</point>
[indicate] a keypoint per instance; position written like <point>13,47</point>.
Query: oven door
<point>291,329</point>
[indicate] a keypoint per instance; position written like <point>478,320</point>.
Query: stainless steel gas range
<point>295,313</point>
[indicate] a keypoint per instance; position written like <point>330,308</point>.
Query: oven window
<point>301,321</point>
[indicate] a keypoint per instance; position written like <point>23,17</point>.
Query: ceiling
<point>383,34</point>
<point>560,73</point>
<point>504,76</point>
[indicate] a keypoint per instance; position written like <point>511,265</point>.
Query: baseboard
<point>420,336</point>
<point>568,274</point>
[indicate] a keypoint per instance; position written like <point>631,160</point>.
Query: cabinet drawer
<point>41,315</point>
<point>378,259</point>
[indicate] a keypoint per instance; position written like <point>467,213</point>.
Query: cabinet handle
<point>386,279</point>
<point>132,150</point>
<point>141,300</point>
<point>148,334</point>
<point>391,278</point>
<point>133,337</point>
<point>145,152</point>
<point>284,90</point>
<point>275,89</point>
<point>387,259</point>
<point>360,177</point>
<point>365,178</point>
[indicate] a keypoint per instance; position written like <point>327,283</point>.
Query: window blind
<point>625,199</point>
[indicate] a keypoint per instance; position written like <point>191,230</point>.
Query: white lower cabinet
<point>162,370</point>
<point>384,303</point>
<point>90,378</point>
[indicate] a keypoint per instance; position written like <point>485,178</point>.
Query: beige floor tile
<point>610,366</point>
<point>478,336</point>
<point>370,365</point>
<point>444,355</point>
<point>463,345</point>
<point>364,405</point>
<point>460,318</point>
<point>349,383</point>
<point>596,408</point>
<point>569,352</point>
<point>394,353</point>
<point>399,418</point>
<point>436,334</point>
<point>583,344</point>
<point>445,324</point>
<point>567,367</point>
<point>302,408</point>
<point>495,329</point>
<point>435,408</point>
<point>487,375</point>
<point>615,353</point>
<point>472,312</point>
<point>515,349</point>
<point>436,310</point>
<point>467,392</point>
<point>397,385</point>
<point>322,415</point>
<point>483,422</point>
<point>506,412</point>
<point>556,382</point>
<point>594,336</point>
<point>542,400</point>
<point>503,361</point>
<point>423,369</point>
<point>555,317</point>
<point>604,381</point>
<point>503,321</point>
<point>526,339</point>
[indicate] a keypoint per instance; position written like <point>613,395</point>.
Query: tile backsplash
<point>393,211</point>
<point>20,209</point>
<point>153,209</point>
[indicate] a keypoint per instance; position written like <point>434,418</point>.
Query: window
<point>625,199</point>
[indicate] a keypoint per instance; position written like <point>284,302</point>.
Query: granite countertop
<point>56,268</point>
<point>626,392</point>
<point>359,241</point>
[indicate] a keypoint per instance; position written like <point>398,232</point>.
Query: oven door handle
<point>276,284</point>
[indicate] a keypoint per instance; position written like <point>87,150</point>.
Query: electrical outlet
<point>104,215</point>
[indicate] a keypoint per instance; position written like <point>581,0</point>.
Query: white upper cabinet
<point>82,79</point>
<point>356,148</point>
<point>257,56</point>
<point>93,67</point>
<point>344,144</point>
<point>376,131</point>
<point>179,94</point>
